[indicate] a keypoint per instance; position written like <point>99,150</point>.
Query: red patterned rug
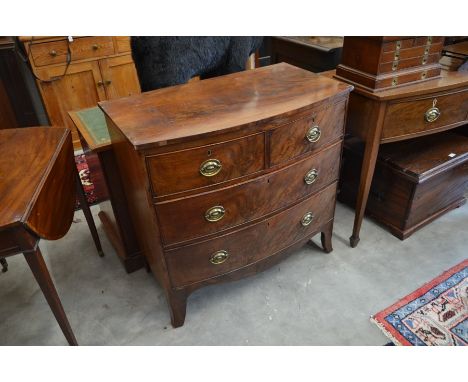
<point>435,314</point>
<point>92,180</point>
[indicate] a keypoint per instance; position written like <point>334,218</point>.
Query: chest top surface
<point>195,109</point>
<point>26,156</point>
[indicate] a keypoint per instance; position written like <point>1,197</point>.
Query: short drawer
<point>307,134</point>
<point>194,263</point>
<point>196,216</point>
<point>205,166</point>
<point>430,113</point>
<point>55,52</point>
<point>397,65</point>
<point>411,43</point>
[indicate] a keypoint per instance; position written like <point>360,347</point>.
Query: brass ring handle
<point>432,114</point>
<point>307,219</point>
<point>313,134</point>
<point>215,213</point>
<point>53,53</point>
<point>210,167</point>
<point>219,257</point>
<point>311,176</point>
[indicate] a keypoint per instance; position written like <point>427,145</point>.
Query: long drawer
<point>307,134</point>
<point>197,262</point>
<point>55,52</point>
<point>204,166</point>
<point>196,216</point>
<point>415,116</point>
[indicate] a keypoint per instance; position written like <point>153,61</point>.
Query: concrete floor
<point>309,299</point>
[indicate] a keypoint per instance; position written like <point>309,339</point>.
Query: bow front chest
<point>224,177</point>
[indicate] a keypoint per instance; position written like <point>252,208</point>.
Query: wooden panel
<point>55,52</point>
<point>76,90</point>
<point>191,264</point>
<point>119,76</point>
<point>179,171</point>
<point>407,117</point>
<point>290,140</point>
<point>184,219</point>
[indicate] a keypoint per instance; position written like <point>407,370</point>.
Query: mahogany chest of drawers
<point>381,62</point>
<point>415,181</point>
<point>225,176</point>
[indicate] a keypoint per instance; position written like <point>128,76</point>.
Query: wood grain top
<point>26,157</point>
<point>181,113</point>
<point>448,80</point>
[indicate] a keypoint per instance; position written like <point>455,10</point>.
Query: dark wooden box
<point>382,62</point>
<point>414,181</point>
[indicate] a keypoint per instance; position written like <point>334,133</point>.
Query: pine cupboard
<point>77,74</point>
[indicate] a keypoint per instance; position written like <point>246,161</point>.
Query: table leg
<point>367,172</point>
<point>4,264</point>
<point>40,272</point>
<point>87,213</point>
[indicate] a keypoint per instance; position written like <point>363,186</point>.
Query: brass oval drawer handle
<point>53,53</point>
<point>313,134</point>
<point>215,213</point>
<point>219,257</point>
<point>307,219</point>
<point>432,114</point>
<point>107,82</point>
<point>210,167</point>
<point>311,176</point>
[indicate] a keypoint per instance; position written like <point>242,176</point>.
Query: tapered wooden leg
<point>178,306</point>
<point>326,237</point>
<point>4,264</point>
<point>87,213</point>
<point>40,272</point>
<point>367,172</point>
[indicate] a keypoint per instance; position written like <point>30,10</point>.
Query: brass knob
<point>307,219</point>
<point>313,134</point>
<point>100,83</point>
<point>433,113</point>
<point>215,213</point>
<point>210,167</point>
<point>219,257</point>
<point>95,46</point>
<point>53,53</point>
<point>311,176</point>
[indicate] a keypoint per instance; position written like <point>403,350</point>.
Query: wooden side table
<point>94,136</point>
<point>38,180</point>
<point>398,114</point>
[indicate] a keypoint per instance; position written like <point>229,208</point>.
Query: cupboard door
<point>80,88</point>
<point>119,76</point>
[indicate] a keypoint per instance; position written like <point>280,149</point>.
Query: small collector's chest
<point>414,182</point>
<point>225,176</point>
<point>382,62</point>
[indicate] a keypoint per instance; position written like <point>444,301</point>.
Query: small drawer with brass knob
<point>308,134</point>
